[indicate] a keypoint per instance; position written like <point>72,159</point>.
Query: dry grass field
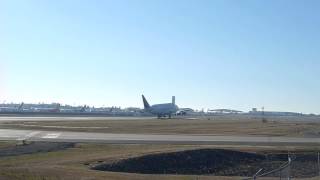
<point>220,125</point>
<point>73,163</point>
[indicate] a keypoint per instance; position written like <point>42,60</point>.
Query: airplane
<point>161,110</point>
<point>48,109</point>
<point>12,109</point>
<point>83,109</point>
<point>184,111</point>
<point>68,109</point>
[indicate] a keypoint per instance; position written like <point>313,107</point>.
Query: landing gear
<point>164,116</point>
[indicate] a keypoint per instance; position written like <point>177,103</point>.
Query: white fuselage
<point>163,109</point>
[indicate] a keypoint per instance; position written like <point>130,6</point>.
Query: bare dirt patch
<point>34,147</point>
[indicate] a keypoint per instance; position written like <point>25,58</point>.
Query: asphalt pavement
<point>62,136</point>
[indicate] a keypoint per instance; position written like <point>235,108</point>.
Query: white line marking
<point>63,127</point>
<point>51,136</point>
<point>28,135</point>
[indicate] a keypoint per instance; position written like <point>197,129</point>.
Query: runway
<point>80,118</point>
<point>61,136</point>
<point>64,118</point>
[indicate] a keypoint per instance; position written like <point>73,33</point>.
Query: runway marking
<point>51,136</point>
<point>28,135</point>
<point>62,127</point>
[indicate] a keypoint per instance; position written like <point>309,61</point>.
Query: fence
<point>283,172</point>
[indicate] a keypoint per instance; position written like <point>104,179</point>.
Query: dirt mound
<point>210,162</point>
<point>34,147</point>
<point>204,161</point>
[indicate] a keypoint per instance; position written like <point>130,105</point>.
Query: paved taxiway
<point>89,118</point>
<point>63,118</point>
<point>61,136</point>
<point>80,118</point>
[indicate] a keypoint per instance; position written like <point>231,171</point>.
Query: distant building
<point>223,111</point>
<point>273,113</point>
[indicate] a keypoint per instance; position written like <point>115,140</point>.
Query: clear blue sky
<point>211,54</point>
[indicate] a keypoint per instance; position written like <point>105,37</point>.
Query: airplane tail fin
<point>145,103</point>
<point>83,109</point>
<point>173,100</point>
<point>21,106</point>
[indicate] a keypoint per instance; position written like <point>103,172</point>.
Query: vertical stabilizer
<point>83,109</point>
<point>145,103</point>
<point>173,100</point>
<point>20,107</point>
